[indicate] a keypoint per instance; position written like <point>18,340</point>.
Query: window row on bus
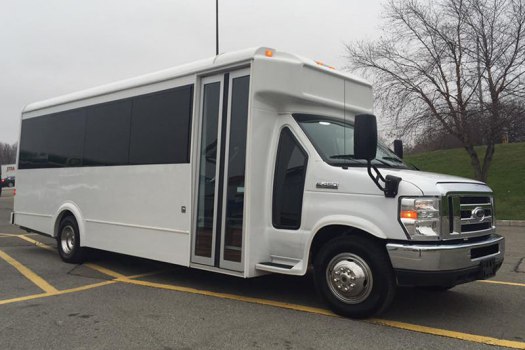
<point>147,129</point>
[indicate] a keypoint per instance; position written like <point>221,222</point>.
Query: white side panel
<point>40,223</point>
<point>146,242</point>
<point>146,198</point>
<point>259,170</point>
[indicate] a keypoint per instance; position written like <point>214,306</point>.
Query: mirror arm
<point>391,182</point>
<point>375,177</point>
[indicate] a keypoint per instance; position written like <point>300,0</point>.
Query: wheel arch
<point>334,227</point>
<point>69,209</point>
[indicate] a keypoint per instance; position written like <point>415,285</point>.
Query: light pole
<point>216,27</point>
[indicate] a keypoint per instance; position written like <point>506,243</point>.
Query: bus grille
<point>470,215</point>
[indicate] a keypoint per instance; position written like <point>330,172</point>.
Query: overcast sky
<point>53,47</point>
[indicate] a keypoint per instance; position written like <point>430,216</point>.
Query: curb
<point>510,223</point>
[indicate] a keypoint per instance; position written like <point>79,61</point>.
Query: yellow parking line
<point>401,325</point>
<point>314,310</point>
<point>30,275</point>
<point>35,242</point>
<point>85,287</point>
<point>105,271</point>
<point>451,334</point>
<point>252,300</point>
<point>146,274</point>
<point>93,266</point>
<point>394,324</point>
<point>504,283</point>
<point>27,297</point>
<point>122,278</point>
<point>119,276</point>
<point>16,234</point>
<point>60,292</point>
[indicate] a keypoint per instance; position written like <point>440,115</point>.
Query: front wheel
<point>68,241</point>
<point>354,276</point>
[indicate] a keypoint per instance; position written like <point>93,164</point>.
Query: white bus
<point>250,163</point>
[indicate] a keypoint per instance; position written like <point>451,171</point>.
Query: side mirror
<point>398,148</point>
<point>365,137</point>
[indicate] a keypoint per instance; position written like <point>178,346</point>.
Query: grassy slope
<point>506,175</point>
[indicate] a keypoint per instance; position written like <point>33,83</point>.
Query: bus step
<point>272,264</point>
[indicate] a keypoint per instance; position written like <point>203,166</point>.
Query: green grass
<point>506,174</point>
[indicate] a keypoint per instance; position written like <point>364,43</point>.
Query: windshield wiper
<point>393,159</point>
<point>351,157</point>
<point>343,156</point>
<point>383,162</point>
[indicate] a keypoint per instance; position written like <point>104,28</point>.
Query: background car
<point>8,182</point>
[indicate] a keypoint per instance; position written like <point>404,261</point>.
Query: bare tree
<point>450,62</point>
<point>7,153</point>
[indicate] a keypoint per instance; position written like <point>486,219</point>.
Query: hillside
<point>506,177</point>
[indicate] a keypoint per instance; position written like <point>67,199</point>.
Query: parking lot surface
<point>119,302</point>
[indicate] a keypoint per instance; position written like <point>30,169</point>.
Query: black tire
<point>350,255</point>
<point>68,241</point>
<point>10,184</point>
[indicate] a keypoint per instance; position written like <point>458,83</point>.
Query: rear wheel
<point>68,241</point>
<point>354,276</point>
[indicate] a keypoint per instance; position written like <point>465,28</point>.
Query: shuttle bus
<point>249,163</point>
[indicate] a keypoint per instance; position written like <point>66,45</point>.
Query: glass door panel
<point>207,173</point>
<point>234,215</point>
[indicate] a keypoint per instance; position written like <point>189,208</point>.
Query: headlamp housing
<point>420,217</point>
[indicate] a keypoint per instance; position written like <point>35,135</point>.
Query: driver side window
<point>288,184</point>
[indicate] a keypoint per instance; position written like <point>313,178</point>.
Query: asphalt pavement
<point>120,302</point>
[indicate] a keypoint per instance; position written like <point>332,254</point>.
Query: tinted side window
<point>32,142</point>
<point>148,129</point>
<point>53,141</point>
<point>288,185</point>
<point>160,127</point>
<point>107,134</point>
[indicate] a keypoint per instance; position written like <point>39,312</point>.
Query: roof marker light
<point>268,53</point>
<point>324,65</point>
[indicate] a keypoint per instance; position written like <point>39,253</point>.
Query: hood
<point>433,184</point>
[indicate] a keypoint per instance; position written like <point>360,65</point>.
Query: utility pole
<point>216,27</point>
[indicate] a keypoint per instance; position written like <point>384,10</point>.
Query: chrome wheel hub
<point>349,278</point>
<point>67,239</point>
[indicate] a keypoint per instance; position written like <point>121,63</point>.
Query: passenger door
<point>219,211</point>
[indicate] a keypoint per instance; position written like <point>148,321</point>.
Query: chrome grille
<point>469,215</point>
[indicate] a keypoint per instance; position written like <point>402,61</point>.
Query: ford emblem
<point>478,213</point>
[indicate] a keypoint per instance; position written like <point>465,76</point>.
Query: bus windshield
<point>334,140</point>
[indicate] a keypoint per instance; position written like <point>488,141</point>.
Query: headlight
<point>420,217</point>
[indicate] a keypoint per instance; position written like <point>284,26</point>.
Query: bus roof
<point>204,65</point>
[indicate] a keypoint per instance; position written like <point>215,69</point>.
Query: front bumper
<point>445,264</point>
